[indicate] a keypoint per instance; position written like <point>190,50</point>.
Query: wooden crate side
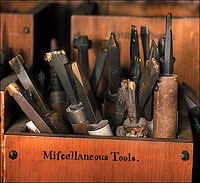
<point>146,161</point>
<point>186,48</point>
<point>13,36</point>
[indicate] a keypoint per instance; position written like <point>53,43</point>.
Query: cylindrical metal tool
<point>78,118</point>
<point>165,107</point>
<point>102,129</point>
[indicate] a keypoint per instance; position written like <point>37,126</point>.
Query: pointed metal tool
<point>114,65</point>
<point>145,42</point>
<point>168,57</point>
<point>82,43</point>
<point>147,82</point>
<point>135,56</point>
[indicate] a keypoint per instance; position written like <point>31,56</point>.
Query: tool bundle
<point>138,104</point>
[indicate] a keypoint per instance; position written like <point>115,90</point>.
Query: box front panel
<point>84,159</point>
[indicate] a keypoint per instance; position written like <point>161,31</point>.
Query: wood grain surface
<point>153,161</point>
<point>13,36</point>
<point>185,40</point>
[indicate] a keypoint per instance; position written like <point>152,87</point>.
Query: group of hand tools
<point>140,104</point>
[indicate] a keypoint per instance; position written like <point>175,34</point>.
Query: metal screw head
<point>185,156</point>
<point>13,154</point>
<point>26,30</point>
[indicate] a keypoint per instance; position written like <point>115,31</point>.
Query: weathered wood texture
<point>183,9</point>
<point>154,161</point>
<point>13,36</point>
<point>185,40</point>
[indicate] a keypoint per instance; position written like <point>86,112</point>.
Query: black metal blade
<point>148,81</point>
<point>145,42</point>
<point>154,51</point>
<point>136,71</point>
<point>161,47</point>
<point>134,45</point>
<point>114,65</point>
<point>83,44</point>
<point>59,61</point>
<point>98,69</point>
<point>168,45</point>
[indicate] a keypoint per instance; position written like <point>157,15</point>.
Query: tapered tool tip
<point>134,33</point>
<point>144,29</point>
<point>112,41</point>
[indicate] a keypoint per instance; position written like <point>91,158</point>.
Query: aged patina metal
<point>86,95</point>
<point>147,82</point>
<point>98,68</point>
<point>75,111</point>
<point>161,48</point>
<point>168,57</point>
<point>59,61</point>
<point>147,112</point>
<point>82,43</point>
<point>57,97</point>
<point>135,56</point>
<point>133,126</point>
<point>114,79</point>
<point>97,126</point>
<point>17,64</point>
<point>30,109</point>
<point>145,41</point>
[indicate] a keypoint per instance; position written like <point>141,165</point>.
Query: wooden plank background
<point>185,40</point>
<point>12,35</point>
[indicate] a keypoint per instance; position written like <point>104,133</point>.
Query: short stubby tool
<point>133,126</point>
<point>82,43</point>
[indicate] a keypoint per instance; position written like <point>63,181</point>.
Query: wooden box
<point>27,157</point>
<point>185,41</point>
<point>26,32</point>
